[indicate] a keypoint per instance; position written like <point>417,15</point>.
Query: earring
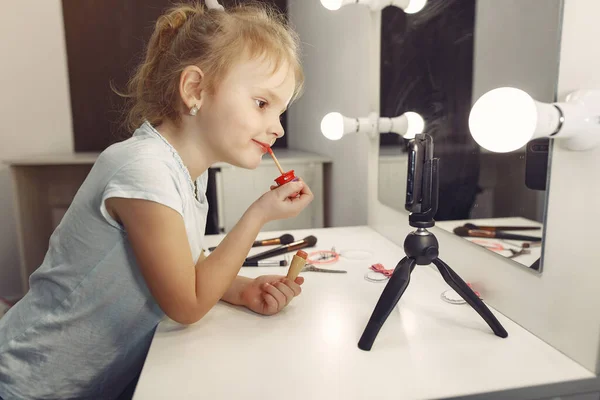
<point>194,110</point>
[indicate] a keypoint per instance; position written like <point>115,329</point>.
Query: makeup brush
<point>309,241</point>
<point>270,150</point>
<point>464,231</point>
<point>501,228</point>
<point>283,239</point>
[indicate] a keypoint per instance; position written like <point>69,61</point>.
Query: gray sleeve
<point>145,179</point>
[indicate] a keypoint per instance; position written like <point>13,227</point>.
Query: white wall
<point>337,79</point>
<point>34,106</point>
<point>574,203</point>
<point>561,305</point>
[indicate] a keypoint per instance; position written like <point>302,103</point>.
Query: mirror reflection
<point>437,63</point>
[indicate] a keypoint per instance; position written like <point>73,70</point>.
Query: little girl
<point>212,88</point>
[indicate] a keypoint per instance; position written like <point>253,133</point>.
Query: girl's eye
<point>261,103</point>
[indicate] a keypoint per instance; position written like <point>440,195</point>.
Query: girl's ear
<point>191,88</point>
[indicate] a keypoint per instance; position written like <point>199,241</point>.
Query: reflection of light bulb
<point>409,6</point>
<point>332,4</point>
<point>505,119</point>
<point>414,6</point>
<point>415,124</point>
<point>332,126</point>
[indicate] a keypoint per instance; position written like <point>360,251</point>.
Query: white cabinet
<point>237,188</point>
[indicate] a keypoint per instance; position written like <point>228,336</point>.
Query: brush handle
<point>511,236</point>
<point>501,228</point>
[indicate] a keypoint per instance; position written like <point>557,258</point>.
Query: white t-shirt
<point>84,328</point>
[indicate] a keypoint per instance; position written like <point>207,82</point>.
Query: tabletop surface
<point>427,349</point>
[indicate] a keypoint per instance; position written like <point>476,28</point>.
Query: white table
<point>427,348</point>
<point>524,259</point>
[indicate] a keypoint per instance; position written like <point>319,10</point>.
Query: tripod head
<point>422,182</point>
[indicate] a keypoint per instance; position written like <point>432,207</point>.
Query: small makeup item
<point>265,263</point>
<point>285,177</point>
<point>298,263</point>
<point>378,273</point>
<point>528,245</point>
<point>312,268</point>
<point>283,239</point>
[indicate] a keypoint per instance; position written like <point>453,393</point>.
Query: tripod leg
<point>387,301</point>
<point>470,297</point>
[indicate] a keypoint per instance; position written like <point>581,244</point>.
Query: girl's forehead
<point>260,71</point>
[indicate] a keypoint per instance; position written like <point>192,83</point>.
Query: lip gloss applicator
<point>270,150</point>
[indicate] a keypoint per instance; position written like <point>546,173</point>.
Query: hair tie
<point>214,5</point>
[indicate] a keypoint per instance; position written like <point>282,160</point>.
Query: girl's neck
<point>195,157</point>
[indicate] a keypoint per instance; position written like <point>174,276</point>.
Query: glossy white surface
<point>427,348</point>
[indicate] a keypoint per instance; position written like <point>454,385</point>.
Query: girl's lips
<point>265,147</point>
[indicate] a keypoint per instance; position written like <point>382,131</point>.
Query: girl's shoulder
<point>136,148</point>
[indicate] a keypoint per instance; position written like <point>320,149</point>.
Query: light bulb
<point>414,6</point>
<point>332,4</point>
<point>416,124</point>
<point>406,125</point>
<point>332,126</point>
<point>505,119</point>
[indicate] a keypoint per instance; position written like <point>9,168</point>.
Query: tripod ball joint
<point>422,246</point>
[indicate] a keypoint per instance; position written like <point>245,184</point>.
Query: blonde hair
<point>214,40</point>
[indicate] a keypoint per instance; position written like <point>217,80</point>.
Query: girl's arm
<point>232,295</point>
<point>156,232</point>
<point>184,291</point>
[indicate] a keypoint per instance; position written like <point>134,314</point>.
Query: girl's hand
<point>269,294</point>
<point>277,203</point>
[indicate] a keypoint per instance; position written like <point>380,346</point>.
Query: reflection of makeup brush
<point>275,159</point>
<point>501,228</point>
<point>463,231</point>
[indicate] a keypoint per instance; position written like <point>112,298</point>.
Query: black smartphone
<point>536,163</point>
<point>420,151</point>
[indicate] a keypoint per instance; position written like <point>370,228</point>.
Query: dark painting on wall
<point>105,41</point>
<point>427,67</point>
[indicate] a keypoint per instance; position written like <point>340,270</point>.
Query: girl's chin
<point>250,162</point>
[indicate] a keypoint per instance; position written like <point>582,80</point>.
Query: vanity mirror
<point>437,63</point>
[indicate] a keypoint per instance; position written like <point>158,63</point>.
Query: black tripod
<point>421,246</point>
